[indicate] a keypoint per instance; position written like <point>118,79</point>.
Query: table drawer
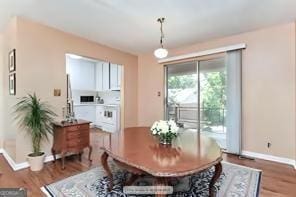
<point>78,127</point>
<point>78,143</point>
<point>77,134</point>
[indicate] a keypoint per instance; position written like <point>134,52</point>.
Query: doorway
<point>95,92</point>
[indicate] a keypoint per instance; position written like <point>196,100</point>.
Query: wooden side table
<point>71,137</point>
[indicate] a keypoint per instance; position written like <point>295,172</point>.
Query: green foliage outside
<point>213,98</point>
<point>182,81</point>
<point>213,94</point>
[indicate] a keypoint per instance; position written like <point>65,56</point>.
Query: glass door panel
<point>212,100</point>
<point>182,94</point>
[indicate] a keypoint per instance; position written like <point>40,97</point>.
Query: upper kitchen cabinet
<point>102,76</point>
<point>106,76</point>
<point>119,75</point>
<point>82,74</point>
<point>115,76</point>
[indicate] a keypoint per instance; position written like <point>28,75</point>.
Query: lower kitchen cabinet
<point>99,116</point>
<point>105,117</point>
<point>86,112</point>
<point>110,121</point>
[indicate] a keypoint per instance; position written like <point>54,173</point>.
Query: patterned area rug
<point>235,181</point>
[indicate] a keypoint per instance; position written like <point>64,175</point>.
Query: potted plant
<point>166,131</point>
<point>36,118</point>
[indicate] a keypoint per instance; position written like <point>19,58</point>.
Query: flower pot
<point>36,162</point>
<point>165,141</point>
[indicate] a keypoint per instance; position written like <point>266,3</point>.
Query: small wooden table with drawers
<point>71,137</point>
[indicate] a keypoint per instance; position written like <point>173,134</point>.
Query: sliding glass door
<point>205,96</point>
<point>196,96</point>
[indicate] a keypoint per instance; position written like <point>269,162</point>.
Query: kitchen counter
<point>104,116</point>
<point>98,104</point>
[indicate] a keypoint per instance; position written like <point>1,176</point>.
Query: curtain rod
<point>203,53</point>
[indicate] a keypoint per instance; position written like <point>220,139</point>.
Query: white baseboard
<point>270,158</point>
<point>19,166</point>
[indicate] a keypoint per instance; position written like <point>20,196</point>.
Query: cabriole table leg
<point>104,162</point>
<point>218,170</point>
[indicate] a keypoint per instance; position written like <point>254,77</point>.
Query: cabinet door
<point>119,76</point>
<point>99,115</point>
<point>82,74</point>
<point>79,112</point>
<point>99,76</point>
<point>85,112</point>
<point>106,76</point>
<point>113,76</point>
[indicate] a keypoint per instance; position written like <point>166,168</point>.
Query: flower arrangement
<point>165,130</point>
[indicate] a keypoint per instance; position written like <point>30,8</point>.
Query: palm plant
<point>36,118</point>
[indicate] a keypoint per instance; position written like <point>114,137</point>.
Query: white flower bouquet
<point>165,130</point>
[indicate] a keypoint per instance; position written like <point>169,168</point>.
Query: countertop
<point>97,104</point>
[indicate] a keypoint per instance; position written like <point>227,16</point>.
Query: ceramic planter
<point>36,162</point>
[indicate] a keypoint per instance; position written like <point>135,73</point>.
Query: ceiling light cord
<point>161,52</point>
<point>161,21</point>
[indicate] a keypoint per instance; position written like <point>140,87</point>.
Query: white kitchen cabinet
<point>113,76</point>
<point>106,76</point>
<point>111,119</point>
<point>99,115</point>
<point>99,76</point>
<point>82,74</point>
<point>119,75</point>
<point>86,112</point>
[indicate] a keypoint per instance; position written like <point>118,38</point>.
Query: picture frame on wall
<point>11,61</point>
<point>12,84</point>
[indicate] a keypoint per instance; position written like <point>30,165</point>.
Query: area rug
<point>235,181</point>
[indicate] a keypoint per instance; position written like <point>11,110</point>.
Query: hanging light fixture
<point>161,52</point>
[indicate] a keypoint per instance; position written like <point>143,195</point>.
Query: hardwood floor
<point>277,179</point>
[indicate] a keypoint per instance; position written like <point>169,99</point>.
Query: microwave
<point>87,99</point>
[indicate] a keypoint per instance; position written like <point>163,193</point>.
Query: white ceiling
<point>130,25</point>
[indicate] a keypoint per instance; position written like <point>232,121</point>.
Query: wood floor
<point>277,179</point>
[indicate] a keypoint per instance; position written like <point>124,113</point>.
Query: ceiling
<point>130,25</point>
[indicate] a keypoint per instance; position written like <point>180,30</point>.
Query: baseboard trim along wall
<point>19,166</point>
<point>270,158</point>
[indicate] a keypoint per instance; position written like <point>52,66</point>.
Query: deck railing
<point>189,115</point>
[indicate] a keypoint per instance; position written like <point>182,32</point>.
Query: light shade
<point>161,53</point>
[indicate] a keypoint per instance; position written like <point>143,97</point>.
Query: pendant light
<point>161,52</point>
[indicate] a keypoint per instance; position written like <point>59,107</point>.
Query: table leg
<point>53,152</point>
<point>218,170</point>
<point>131,180</point>
<point>63,160</point>
<point>79,156</point>
<point>161,181</point>
<point>104,162</point>
<point>89,153</point>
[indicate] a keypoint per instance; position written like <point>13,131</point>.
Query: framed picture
<point>12,84</point>
<point>11,61</point>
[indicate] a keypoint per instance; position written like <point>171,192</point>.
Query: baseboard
<point>270,158</point>
<point>23,165</point>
